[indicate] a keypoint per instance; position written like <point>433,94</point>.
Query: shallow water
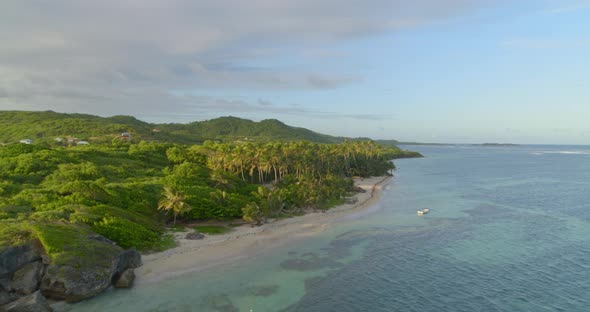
<point>508,231</point>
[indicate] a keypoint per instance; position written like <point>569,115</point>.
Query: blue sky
<point>429,70</point>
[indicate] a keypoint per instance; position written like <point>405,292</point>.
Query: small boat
<point>423,211</point>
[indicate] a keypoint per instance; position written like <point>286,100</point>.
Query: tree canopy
<point>117,188</point>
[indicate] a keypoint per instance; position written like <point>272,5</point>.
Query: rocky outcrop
<point>19,272</point>
<point>78,278</point>
<point>6,297</point>
<point>13,258</point>
<point>34,302</point>
<point>26,280</point>
<point>27,272</point>
<point>130,258</point>
<point>126,279</point>
<point>72,283</point>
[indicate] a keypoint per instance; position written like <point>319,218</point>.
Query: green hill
<point>243,129</point>
<point>44,127</point>
<point>48,125</point>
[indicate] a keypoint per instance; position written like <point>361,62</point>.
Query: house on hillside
<point>156,130</point>
<point>58,140</point>
<point>126,136</point>
<point>73,140</point>
<point>83,143</point>
<point>26,141</point>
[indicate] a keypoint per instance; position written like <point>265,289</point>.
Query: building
<point>83,143</point>
<point>26,141</point>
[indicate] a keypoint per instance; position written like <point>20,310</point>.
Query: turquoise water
<point>509,231</point>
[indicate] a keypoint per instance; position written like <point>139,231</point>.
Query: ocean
<point>509,230</point>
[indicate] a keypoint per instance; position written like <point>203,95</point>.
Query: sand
<point>245,241</point>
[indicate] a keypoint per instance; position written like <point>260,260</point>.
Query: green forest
<point>45,127</point>
<point>133,191</point>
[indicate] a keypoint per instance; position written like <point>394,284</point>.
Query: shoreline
<point>245,241</point>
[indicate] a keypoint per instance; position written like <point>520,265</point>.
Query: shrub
<point>13,233</point>
<point>253,214</point>
<point>126,233</point>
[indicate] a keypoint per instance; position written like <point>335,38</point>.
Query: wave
<point>561,152</point>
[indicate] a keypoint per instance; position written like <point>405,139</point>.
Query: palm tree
<point>173,201</point>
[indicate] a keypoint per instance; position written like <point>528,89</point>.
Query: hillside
<point>48,125</point>
<point>88,209</point>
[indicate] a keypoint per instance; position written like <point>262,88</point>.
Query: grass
<point>14,234</point>
<point>212,229</point>
<point>67,244</point>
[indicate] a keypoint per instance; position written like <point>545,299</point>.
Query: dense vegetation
<point>115,189</point>
<point>129,189</point>
<point>45,127</point>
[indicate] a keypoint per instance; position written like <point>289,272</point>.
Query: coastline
<point>245,241</point>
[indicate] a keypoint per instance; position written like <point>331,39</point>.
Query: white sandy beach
<point>245,241</point>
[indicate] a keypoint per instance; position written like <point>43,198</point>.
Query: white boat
<point>423,211</point>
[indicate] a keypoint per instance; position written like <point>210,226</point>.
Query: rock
<point>194,236</point>
<point>6,297</point>
<point>5,283</point>
<point>13,258</point>
<point>83,272</point>
<point>31,303</point>
<point>359,189</point>
<point>26,280</point>
<point>126,279</point>
<point>74,283</point>
<point>130,258</point>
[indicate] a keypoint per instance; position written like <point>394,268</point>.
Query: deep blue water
<point>508,231</point>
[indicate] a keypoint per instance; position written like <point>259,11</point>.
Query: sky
<point>445,71</point>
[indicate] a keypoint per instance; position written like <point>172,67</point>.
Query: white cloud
<point>124,56</point>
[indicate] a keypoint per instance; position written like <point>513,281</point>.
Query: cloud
<point>199,105</point>
<point>124,56</point>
